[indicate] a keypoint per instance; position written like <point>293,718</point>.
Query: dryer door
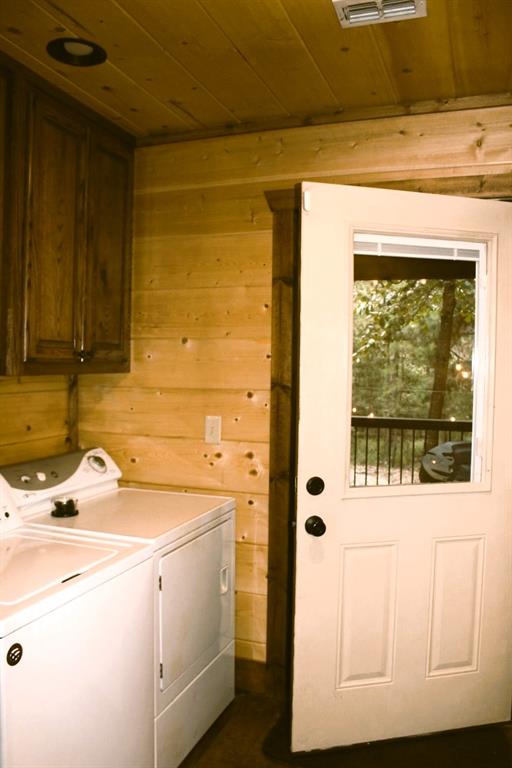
<point>195,607</point>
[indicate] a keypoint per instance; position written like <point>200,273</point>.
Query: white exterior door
<point>402,620</point>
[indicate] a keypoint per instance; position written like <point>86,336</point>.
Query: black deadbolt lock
<point>315,526</point>
<point>315,486</point>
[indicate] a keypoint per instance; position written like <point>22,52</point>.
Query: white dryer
<point>75,686</point>
<point>192,540</point>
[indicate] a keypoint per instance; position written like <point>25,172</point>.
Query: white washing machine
<point>192,542</point>
<point>75,680</point>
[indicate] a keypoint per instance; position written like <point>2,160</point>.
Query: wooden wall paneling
<point>28,416</point>
<point>209,211</point>
<point>202,261</point>
<point>249,649</point>
<point>140,410</point>
<point>33,449</point>
<point>230,466</point>
<point>251,612</point>
<point>252,518</point>
<point>193,362</point>
<point>27,384</point>
<point>486,185</point>
<point>35,418</point>
<point>441,144</point>
<point>251,568</point>
<point>235,312</point>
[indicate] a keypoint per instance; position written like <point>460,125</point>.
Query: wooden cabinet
<point>54,244</point>
<point>107,316</point>
<point>67,295</point>
<point>4,169</point>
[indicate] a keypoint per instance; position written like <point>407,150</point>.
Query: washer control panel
<point>34,485</point>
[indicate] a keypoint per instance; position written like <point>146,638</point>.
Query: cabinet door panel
<point>4,112</point>
<point>54,233</point>
<point>109,247</point>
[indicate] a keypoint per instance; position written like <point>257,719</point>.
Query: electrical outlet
<point>212,429</point>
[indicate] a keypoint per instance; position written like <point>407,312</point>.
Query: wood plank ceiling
<point>188,68</point>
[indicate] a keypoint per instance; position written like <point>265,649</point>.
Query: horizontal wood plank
<point>17,385</point>
<point>251,617</point>
<point>195,363</point>
<point>449,144</point>
<point>198,363</point>
<point>227,467</point>
<point>211,210</point>
<point>33,449</point>
<point>483,186</point>
<point>180,413</point>
<point>32,415</point>
<point>274,49</point>
<point>359,55</point>
<point>198,261</point>
<point>203,50</point>
<point>237,312</point>
<point>247,649</point>
<point>251,568</point>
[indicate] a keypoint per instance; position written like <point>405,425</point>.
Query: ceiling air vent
<point>354,14</point>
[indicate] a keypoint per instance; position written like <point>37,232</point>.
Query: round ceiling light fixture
<point>76,51</point>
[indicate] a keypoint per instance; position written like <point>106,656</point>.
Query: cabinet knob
<point>84,355</point>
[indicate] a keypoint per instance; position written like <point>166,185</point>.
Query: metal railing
<point>388,451</point>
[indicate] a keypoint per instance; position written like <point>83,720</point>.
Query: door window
<point>417,352</point>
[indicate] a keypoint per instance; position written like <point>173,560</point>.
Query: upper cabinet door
<point>109,213</point>
<point>54,235</point>
<point>4,131</point>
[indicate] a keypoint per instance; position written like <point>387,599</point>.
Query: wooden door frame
<point>285,205</point>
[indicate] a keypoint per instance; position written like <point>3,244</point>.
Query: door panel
<point>109,247</point>
<point>367,609</point>
<point>402,607</point>
<point>195,608</point>
<point>455,605</point>
<point>54,232</point>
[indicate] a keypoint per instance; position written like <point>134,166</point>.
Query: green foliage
<point>396,327</point>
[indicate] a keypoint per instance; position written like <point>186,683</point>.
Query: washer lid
<point>41,570</point>
<point>31,563</point>
<point>160,517</point>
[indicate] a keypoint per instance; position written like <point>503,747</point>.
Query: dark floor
<point>251,734</point>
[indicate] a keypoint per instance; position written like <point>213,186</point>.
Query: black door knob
<point>315,526</point>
